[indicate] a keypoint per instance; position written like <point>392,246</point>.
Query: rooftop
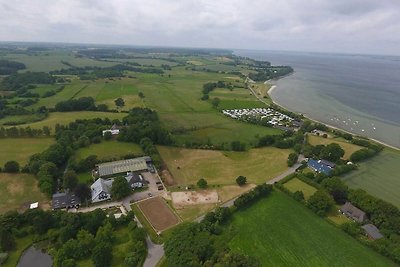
<point>64,200</point>
<point>319,166</point>
<point>372,231</point>
<point>353,212</point>
<point>120,166</point>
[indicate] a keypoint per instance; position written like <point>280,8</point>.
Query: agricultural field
<point>17,191</point>
<point>296,184</point>
<point>280,231</point>
<point>20,149</point>
<point>347,147</point>
<point>187,166</point>
<point>379,176</point>
<point>108,150</point>
<point>158,214</point>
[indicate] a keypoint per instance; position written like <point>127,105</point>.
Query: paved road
<point>154,253</point>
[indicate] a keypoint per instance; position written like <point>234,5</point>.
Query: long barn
<point>109,169</point>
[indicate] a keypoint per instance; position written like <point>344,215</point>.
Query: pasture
<point>20,149</point>
<point>158,214</point>
<point>108,150</point>
<point>296,184</point>
<point>19,190</point>
<point>187,166</point>
<point>280,231</point>
<point>347,147</point>
<point>379,176</point>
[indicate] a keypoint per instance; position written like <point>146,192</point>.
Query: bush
<point>241,180</point>
<point>11,166</point>
<point>202,183</point>
<point>248,198</point>
<point>320,202</point>
<point>292,159</point>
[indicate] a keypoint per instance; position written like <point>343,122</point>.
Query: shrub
<point>241,180</point>
<point>11,166</point>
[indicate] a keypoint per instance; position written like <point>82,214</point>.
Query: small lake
<point>33,257</point>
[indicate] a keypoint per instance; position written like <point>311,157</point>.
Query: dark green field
<point>282,232</point>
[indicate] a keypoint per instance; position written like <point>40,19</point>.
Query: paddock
<point>159,215</point>
<point>180,199</point>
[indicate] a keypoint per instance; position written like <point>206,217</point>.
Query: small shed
<point>372,231</point>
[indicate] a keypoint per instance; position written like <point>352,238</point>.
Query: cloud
<point>361,26</point>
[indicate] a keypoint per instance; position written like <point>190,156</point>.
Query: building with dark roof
<point>328,163</point>
<point>319,166</point>
<point>65,201</point>
<point>372,231</point>
<point>353,212</point>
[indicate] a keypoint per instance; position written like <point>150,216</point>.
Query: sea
<point>356,93</point>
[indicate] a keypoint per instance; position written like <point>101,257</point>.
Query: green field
<point>109,150</point>
<point>347,147</point>
<point>296,184</point>
<point>19,190</point>
<point>20,149</point>
<point>187,166</point>
<point>379,176</point>
<point>283,232</point>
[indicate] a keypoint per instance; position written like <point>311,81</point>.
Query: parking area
<point>155,187</point>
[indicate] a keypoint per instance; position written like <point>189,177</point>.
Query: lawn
<point>296,184</point>
<point>347,147</point>
<point>109,150</point>
<point>280,231</point>
<point>379,176</point>
<point>20,149</point>
<point>187,166</point>
<point>19,190</point>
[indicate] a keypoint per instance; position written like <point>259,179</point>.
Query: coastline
<point>273,87</point>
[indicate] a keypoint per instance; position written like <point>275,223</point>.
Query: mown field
<point>347,147</point>
<point>379,176</point>
<point>17,191</point>
<point>282,232</point>
<point>298,185</point>
<point>187,166</point>
<point>108,150</point>
<point>20,149</point>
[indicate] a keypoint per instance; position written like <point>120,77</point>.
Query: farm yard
<point>347,147</point>
<point>296,184</point>
<point>187,166</point>
<point>20,149</point>
<point>280,231</point>
<point>158,214</point>
<point>378,176</point>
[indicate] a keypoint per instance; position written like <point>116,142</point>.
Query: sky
<point>344,26</point>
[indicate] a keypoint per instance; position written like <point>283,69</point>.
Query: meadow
<point>20,149</point>
<point>280,231</point>
<point>187,166</point>
<point>379,176</point>
<point>296,184</point>
<point>347,147</point>
<point>17,191</point>
<point>108,150</point>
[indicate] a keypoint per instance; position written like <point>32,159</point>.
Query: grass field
<point>283,232</point>
<point>67,117</point>
<point>158,213</point>
<point>19,190</point>
<point>109,150</point>
<point>298,185</point>
<point>347,147</point>
<point>20,149</point>
<point>218,167</point>
<point>379,176</point>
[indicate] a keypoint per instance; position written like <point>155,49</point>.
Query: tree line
<point>8,67</point>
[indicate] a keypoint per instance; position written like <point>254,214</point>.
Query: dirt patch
<point>158,213</point>
<point>15,188</point>
<point>168,179</point>
<point>180,199</point>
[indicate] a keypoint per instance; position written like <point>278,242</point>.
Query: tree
<point>86,241</point>
<point>320,202</point>
<point>202,183</point>
<point>101,255</point>
<point>241,180</point>
<point>238,146</point>
<point>70,180</point>
<point>215,102</point>
<point>120,188</point>
<point>119,102</point>
<point>332,152</point>
<point>7,241</point>
<point>141,95</point>
<point>107,135</point>
<point>298,195</point>
<point>292,159</point>
<point>336,188</point>
<point>11,166</point>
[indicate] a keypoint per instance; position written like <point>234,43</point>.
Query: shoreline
<point>273,87</point>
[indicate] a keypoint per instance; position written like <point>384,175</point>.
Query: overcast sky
<point>348,26</point>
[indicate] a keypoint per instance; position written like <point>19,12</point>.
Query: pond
<point>35,257</point>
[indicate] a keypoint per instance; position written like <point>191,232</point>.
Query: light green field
<point>379,176</point>
<point>64,118</point>
<point>20,149</point>
<point>19,190</point>
<point>219,167</point>
<point>109,150</point>
<point>280,231</point>
<point>296,184</point>
<point>347,147</point>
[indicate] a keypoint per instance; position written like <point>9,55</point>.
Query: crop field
<point>187,166</point>
<point>19,190</point>
<point>347,147</point>
<point>379,176</point>
<point>280,231</point>
<point>298,185</point>
<point>20,149</point>
<point>158,213</point>
<point>109,150</point>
